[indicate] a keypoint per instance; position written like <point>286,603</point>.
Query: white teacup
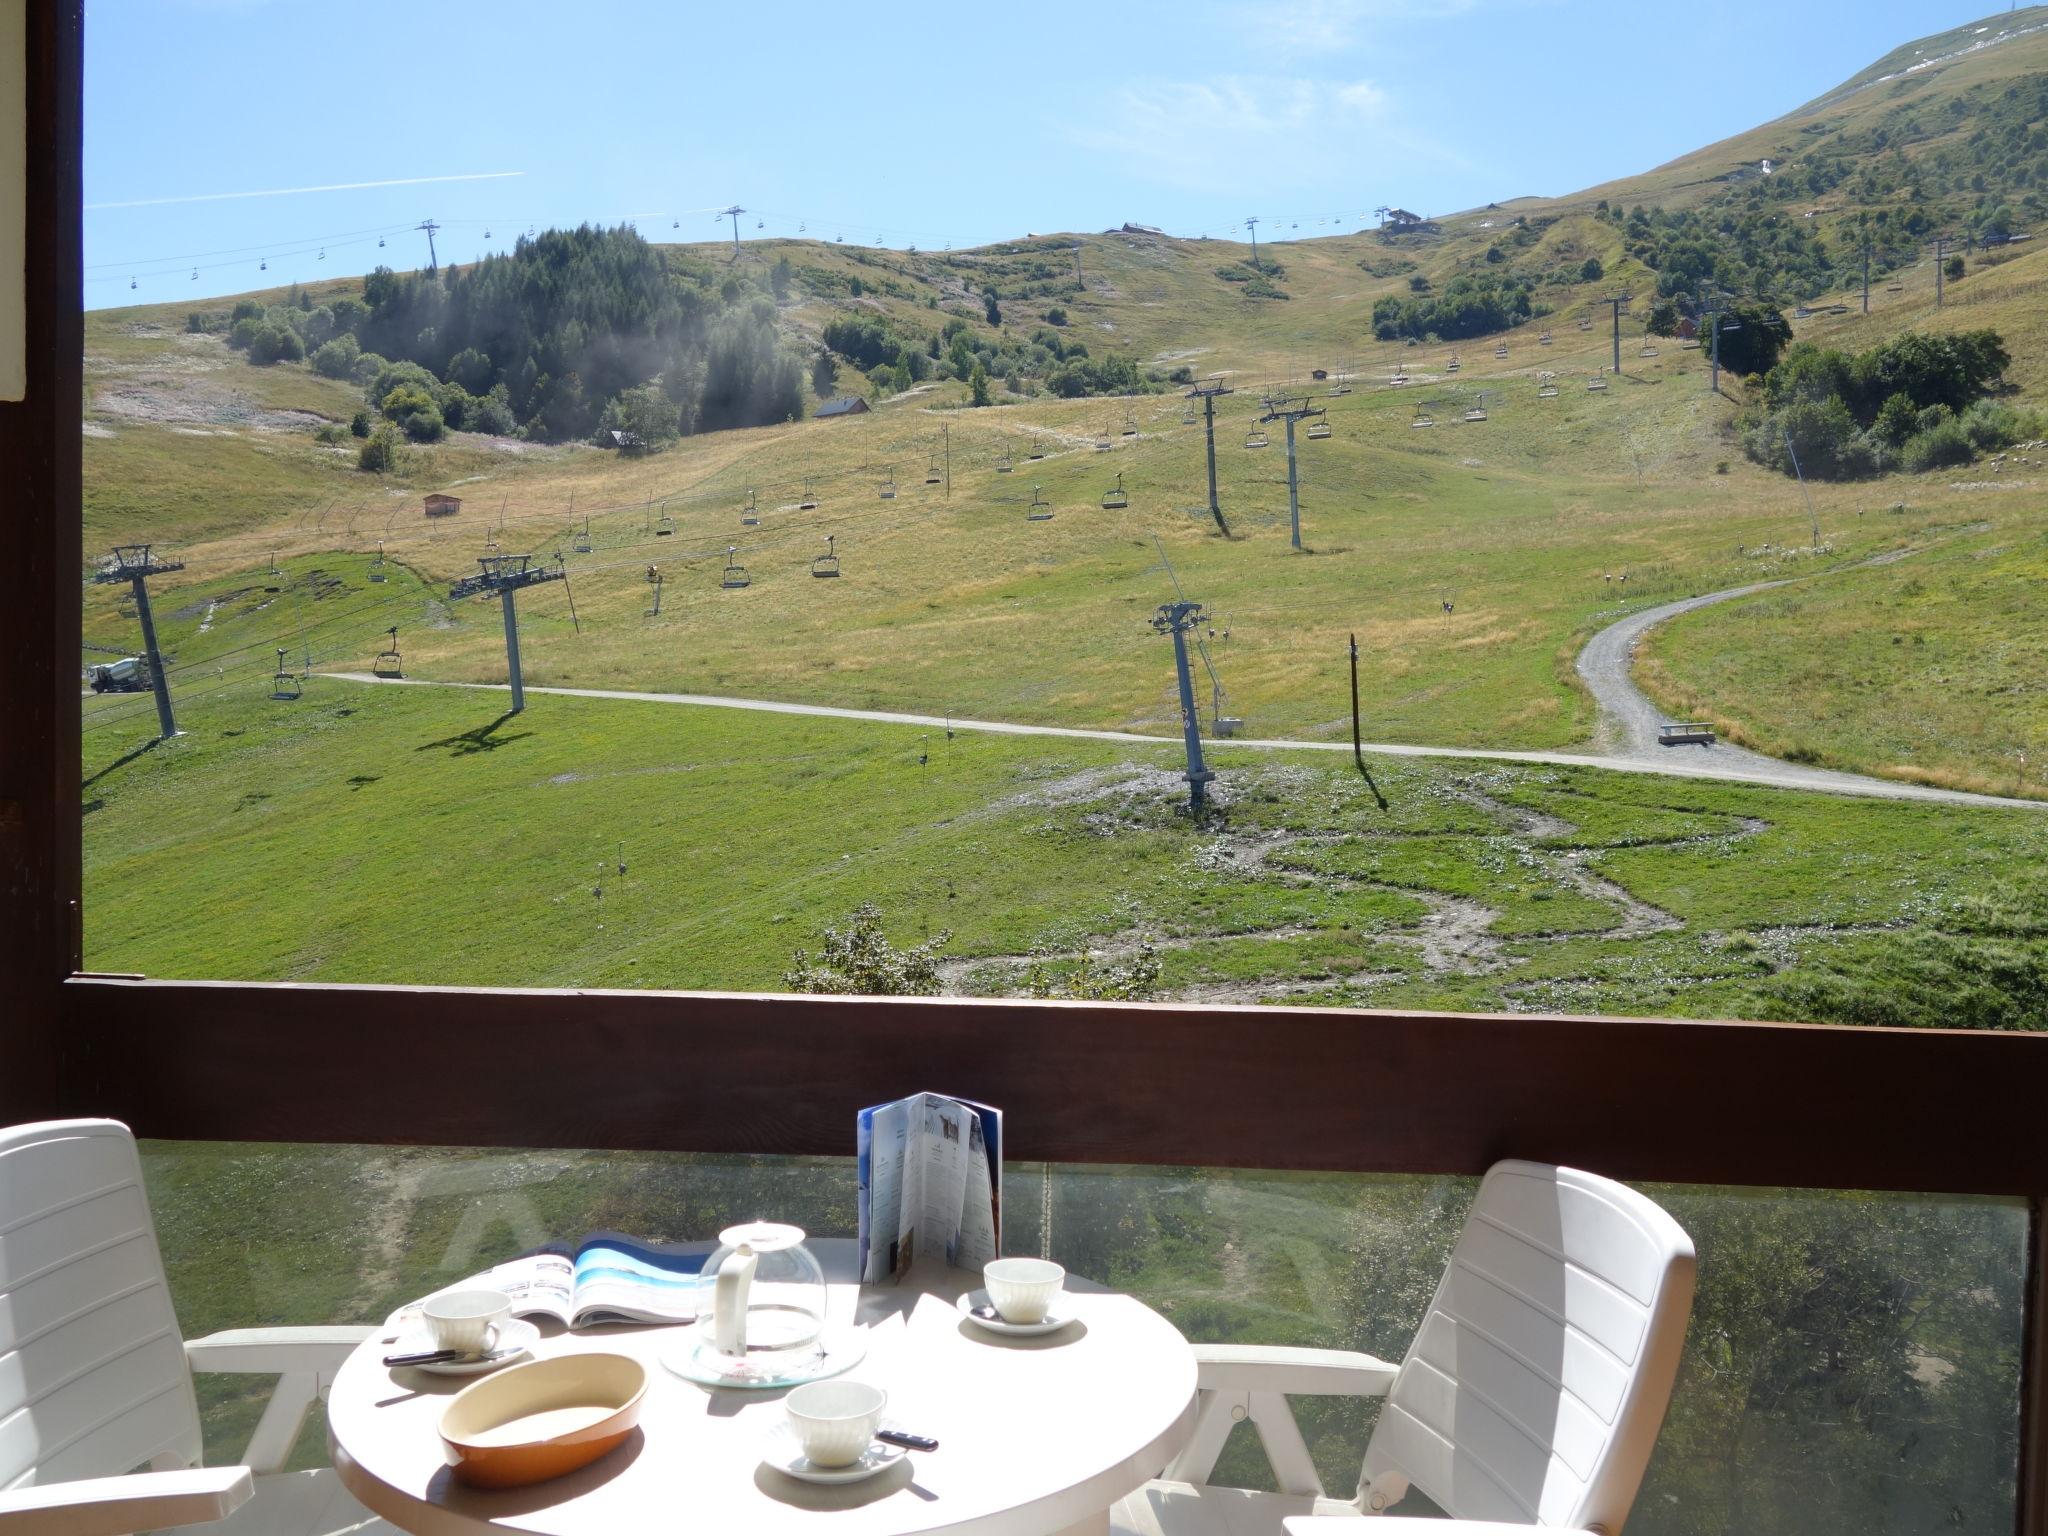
<point>1023,1290</point>
<point>835,1421</point>
<point>466,1320</point>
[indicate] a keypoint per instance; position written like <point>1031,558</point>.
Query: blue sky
<point>885,123</point>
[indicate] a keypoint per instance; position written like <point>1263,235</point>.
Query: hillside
<point>1472,557</point>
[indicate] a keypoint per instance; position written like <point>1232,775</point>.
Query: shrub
<point>399,375</point>
<point>471,369</point>
<point>380,451</point>
<point>329,432</point>
<point>359,424</point>
<point>275,343</point>
<point>1939,447</point>
<point>1057,315</point>
<point>367,367</point>
<point>859,959</point>
<point>414,411</point>
<point>245,309</point>
<point>1592,271</point>
<point>493,414</point>
<point>1954,269</point>
<point>336,359</point>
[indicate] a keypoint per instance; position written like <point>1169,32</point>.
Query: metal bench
<point>1681,733</point>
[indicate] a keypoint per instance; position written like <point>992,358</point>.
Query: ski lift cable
<point>249,250</point>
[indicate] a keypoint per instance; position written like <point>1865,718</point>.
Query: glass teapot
<point>760,1309</point>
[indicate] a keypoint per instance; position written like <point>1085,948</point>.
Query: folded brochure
<point>930,1170</point>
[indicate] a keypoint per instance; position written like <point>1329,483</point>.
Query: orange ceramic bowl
<point>541,1419</point>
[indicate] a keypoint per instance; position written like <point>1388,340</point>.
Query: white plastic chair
<point>1532,1394</point>
<point>95,1381</point>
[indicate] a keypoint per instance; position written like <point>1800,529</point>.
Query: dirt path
<point>1724,763</point>
<point>1629,720</point>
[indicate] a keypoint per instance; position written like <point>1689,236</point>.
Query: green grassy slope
<point>344,837</point>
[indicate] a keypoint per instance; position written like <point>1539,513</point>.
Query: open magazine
<point>931,1179</point>
<point>606,1278</point>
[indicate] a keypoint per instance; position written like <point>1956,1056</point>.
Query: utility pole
<point>946,432</point>
<point>1177,619</point>
<point>505,575</point>
<point>132,564</point>
<point>1940,254</point>
<point>1207,394</point>
<point>732,213</point>
<point>1252,224</point>
<point>1618,302</point>
<point>433,262</point>
<point>1291,411</point>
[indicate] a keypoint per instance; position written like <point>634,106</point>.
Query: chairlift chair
<point>377,565</point>
<point>1477,413</point>
<point>735,574</point>
<point>1130,424</point>
<point>809,503</point>
<point>583,544</point>
<point>1113,500</point>
<point>1543,340</point>
<point>888,484</point>
<point>389,663</point>
<point>1103,441</point>
<point>1041,509</point>
<point>826,564</point>
<point>1688,343</point>
<point>750,514</point>
<point>1501,350</point>
<point>1585,322</point>
<point>664,527</point>
<point>1546,391</point>
<point>1035,454</point>
<point>1648,349</point>
<point>285,685</point>
<point>1003,462</point>
<point>931,472</point>
<point>1256,438</point>
<point>1453,365</point>
<point>1188,418</point>
<point>1423,419</point>
<point>1596,384</point>
<point>1894,287</point>
<point>1318,428</point>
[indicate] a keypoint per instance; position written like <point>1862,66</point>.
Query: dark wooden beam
<point>1755,1104</point>
<point>39,455</point>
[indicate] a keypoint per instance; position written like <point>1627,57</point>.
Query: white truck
<point>128,675</point>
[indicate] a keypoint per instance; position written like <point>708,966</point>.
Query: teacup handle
<point>490,1346</point>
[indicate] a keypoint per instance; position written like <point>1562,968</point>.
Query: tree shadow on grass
<point>484,738</point>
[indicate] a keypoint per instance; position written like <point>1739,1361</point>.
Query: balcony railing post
<point>2033,1469</point>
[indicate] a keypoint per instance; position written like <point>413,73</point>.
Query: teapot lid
<point>762,1236</point>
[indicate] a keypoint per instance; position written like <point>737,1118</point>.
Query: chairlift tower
<point>732,213</point>
<point>1713,309</point>
<point>1291,411</point>
<point>1252,223</point>
<point>505,575</point>
<point>1207,393</point>
<point>1617,302</point>
<point>132,563</point>
<point>430,229</point>
<point>1941,245</point>
<point>1176,619</point>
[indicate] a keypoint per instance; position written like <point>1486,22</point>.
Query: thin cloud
<point>1254,131</point>
<point>337,186</point>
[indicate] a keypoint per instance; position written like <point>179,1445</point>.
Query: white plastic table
<point>1037,1436</point>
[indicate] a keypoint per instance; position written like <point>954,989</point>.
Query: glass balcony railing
<point>1852,1367</point>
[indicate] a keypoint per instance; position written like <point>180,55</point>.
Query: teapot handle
<point>729,1302</point>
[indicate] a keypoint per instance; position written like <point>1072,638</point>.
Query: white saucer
<point>1053,1320</point>
<point>786,1455</point>
<point>515,1337</point>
